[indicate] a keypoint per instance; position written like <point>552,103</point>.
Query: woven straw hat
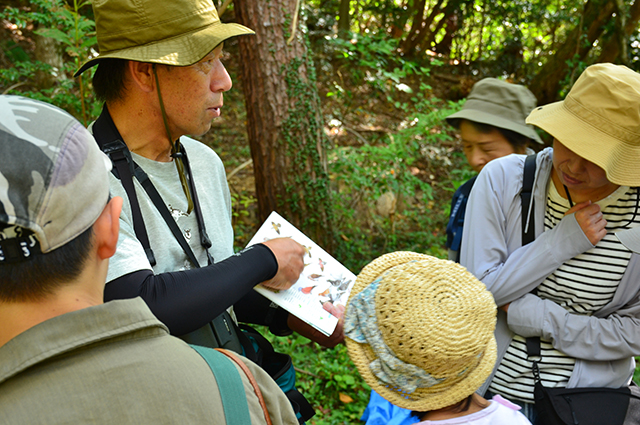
<point>599,120</point>
<point>176,32</point>
<point>437,322</point>
<point>500,104</point>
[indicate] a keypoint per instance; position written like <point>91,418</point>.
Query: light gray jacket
<point>602,344</point>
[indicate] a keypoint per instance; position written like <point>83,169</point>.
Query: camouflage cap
<point>53,178</point>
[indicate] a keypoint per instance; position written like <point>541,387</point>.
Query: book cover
<point>322,280</point>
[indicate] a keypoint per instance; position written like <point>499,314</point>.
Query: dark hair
<point>43,274</point>
<point>519,142</point>
<point>108,80</point>
<point>461,406</point>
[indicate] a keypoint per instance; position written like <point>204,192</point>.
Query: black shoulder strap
<point>105,131</point>
<point>162,208</point>
<point>528,235</point>
<point>110,141</point>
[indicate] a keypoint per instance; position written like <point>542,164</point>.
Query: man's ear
<point>142,75</point>
<point>107,227</point>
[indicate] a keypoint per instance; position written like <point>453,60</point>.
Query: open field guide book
<point>323,279</point>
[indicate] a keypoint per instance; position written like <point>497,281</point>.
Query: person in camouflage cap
<point>65,356</point>
<point>53,188</point>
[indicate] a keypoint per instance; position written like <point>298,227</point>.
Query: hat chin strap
<point>175,147</point>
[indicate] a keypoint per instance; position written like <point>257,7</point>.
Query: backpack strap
<point>251,378</point>
<point>528,235</point>
<point>456,217</point>
<point>234,399</point>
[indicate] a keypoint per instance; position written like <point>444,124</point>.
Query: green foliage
<point>373,61</point>
<point>57,20</point>
<point>327,377</point>
<point>363,175</point>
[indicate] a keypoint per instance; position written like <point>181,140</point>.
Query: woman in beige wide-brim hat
<point>576,285</point>
<point>420,331</point>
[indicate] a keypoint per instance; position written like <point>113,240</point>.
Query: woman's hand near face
<point>590,219</point>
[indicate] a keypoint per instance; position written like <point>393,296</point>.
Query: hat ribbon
<point>361,325</point>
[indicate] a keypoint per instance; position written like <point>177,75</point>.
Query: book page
<point>323,279</point>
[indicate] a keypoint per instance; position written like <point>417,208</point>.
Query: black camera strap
<point>125,168</point>
<point>110,141</point>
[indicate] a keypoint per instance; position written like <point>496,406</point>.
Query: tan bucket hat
<point>420,330</point>
<point>599,120</point>
<point>500,104</point>
<point>176,32</point>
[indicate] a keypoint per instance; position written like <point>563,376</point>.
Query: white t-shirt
<point>215,203</point>
<point>499,412</point>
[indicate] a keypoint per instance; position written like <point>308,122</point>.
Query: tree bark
<point>284,119</point>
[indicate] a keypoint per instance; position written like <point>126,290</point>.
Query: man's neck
<point>18,317</point>
<point>143,130</point>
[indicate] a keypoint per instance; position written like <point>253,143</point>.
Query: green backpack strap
<point>234,400</point>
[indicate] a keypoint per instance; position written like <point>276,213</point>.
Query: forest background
<point>335,117</point>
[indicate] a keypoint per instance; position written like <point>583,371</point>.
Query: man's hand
<point>315,335</point>
<point>590,219</point>
<point>289,255</point>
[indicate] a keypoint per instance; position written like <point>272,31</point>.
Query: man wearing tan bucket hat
<point>420,331</point>
<point>575,286</point>
<point>161,78</point>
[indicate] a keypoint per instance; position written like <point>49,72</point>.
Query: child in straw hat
<point>420,331</point>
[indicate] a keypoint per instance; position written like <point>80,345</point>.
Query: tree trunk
<point>344,22</point>
<point>611,49</point>
<point>284,119</point>
<point>546,84</point>
<point>49,51</point>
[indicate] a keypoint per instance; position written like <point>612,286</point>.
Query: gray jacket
<point>602,344</point>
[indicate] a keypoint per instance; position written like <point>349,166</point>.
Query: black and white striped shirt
<point>582,285</point>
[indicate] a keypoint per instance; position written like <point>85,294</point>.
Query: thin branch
<point>294,24</point>
<point>15,86</point>
<point>224,6</point>
<point>307,372</point>
<point>239,168</point>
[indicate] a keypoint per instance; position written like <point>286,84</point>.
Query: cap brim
<point>183,50</point>
<point>494,120</point>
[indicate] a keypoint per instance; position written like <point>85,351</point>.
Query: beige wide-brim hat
<point>176,32</point>
<point>432,314</point>
<point>500,104</point>
<point>599,120</point>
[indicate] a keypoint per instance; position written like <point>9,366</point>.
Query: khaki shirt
<point>115,363</point>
